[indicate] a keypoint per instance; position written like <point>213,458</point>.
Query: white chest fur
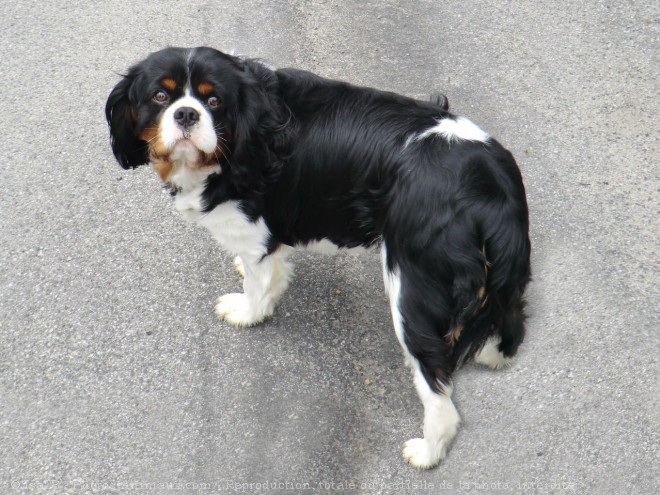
<point>227,223</point>
<point>235,232</point>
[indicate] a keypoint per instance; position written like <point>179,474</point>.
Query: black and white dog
<point>269,159</point>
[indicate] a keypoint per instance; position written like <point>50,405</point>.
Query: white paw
<point>418,454</point>
<point>237,310</point>
<point>238,266</point>
<point>491,356</point>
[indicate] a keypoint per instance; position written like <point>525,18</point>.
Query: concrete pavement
<point>115,375</point>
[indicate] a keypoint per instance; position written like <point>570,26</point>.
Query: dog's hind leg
<point>441,422</point>
<point>441,418</point>
<point>501,347</point>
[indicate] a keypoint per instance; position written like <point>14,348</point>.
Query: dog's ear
<point>261,131</point>
<point>120,112</point>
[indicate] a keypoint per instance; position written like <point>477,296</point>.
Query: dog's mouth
<point>181,148</point>
<point>184,147</point>
<point>183,154</point>
<point>186,153</point>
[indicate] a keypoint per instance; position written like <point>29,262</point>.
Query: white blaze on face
<point>201,135</point>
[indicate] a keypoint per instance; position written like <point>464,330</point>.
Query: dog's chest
<point>228,224</point>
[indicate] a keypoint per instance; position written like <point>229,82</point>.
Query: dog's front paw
<point>420,455</point>
<point>237,310</point>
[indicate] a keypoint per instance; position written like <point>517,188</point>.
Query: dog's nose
<point>186,116</point>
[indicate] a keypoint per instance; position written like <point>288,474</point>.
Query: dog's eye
<point>161,96</point>
<point>214,102</point>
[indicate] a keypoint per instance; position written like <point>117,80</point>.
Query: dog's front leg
<point>264,281</point>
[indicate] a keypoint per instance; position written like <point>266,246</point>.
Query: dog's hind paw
<point>491,356</point>
<point>420,455</point>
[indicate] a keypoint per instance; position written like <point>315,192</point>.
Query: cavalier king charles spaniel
<point>269,159</point>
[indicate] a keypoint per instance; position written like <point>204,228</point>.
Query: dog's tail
<point>489,301</point>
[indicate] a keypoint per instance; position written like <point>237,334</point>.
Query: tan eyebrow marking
<point>168,83</point>
<point>205,88</point>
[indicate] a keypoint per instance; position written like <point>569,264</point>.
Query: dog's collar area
<point>172,189</point>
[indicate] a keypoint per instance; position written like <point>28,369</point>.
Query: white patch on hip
<point>452,128</point>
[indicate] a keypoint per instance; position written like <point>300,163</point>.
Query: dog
<point>268,159</point>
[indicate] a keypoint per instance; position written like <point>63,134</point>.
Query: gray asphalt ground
<point>117,378</point>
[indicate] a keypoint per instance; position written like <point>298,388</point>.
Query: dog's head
<point>191,108</point>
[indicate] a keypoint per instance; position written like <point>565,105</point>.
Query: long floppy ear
<point>261,135</point>
<point>128,148</point>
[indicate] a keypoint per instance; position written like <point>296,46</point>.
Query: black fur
<point>323,159</point>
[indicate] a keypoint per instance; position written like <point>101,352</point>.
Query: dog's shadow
<point>333,386</point>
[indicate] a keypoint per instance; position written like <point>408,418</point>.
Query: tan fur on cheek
<point>158,153</point>
<point>163,168</point>
<point>151,136</point>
